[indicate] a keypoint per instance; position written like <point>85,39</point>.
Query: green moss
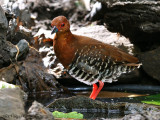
<point>3,86</point>
<point>152,99</point>
<point>152,102</point>
<point>6,85</point>
<point>73,115</point>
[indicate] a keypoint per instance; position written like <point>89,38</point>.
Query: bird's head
<point>60,24</point>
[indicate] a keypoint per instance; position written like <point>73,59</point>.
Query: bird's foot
<point>96,90</point>
<point>95,87</point>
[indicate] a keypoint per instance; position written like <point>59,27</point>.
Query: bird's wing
<point>99,62</point>
<point>95,46</point>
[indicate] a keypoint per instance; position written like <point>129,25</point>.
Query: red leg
<point>101,84</point>
<point>93,90</point>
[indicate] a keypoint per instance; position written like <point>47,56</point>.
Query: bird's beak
<point>54,30</point>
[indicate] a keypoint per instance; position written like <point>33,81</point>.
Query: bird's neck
<point>64,36</point>
<point>64,47</point>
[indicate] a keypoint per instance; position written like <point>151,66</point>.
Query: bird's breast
<point>64,52</point>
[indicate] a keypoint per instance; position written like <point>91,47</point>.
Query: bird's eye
<point>62,25</point>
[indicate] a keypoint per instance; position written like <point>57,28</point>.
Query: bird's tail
<point>134,64</point>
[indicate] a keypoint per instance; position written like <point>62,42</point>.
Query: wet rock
<point>134,117</point>
<point>38,112</point>
<point>151,64</point>
<point>32,72</point>
<point>34,79</point>
<point>23,48</point>
<point>8,74</point>
<point>86,105</point>
<point>80,103</point>
<point>21,33</point>
<point>5,52</point>
<point>129,19</point>
<point>8,50</point>
<point>12,104</point>
<point>140,108</point>
<point>143,115</point>
<point>20,9</point>
<point>3,21</point>
<point>4,45</point>
<point>17,33</point>
<point>18,14</point>
<point>3,24</point>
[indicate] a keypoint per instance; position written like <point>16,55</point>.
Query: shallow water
<point>113,97</point>
<point>111,112</point>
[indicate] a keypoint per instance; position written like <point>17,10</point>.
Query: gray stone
<point>151,64</point>
<point>18,14</point>
<point>81,103</point>
<point>134,111</point>
<point>78,103</point>
<point>32,72</point>
<point>38,112</point>
<point>8,74</point>
<point>5,47</point>
<point>147,21</point>
<point>20,9</point>
<point>138,20</point>
<point>3,21</point>
<point>134,117</point>
<point>12,103</point>
<point>21,33</point>
<point>23,47</point>
<point>143,115</point>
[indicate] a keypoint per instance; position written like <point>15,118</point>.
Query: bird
<point>89,60</point>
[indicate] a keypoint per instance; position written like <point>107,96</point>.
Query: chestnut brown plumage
<point>89,60</point>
